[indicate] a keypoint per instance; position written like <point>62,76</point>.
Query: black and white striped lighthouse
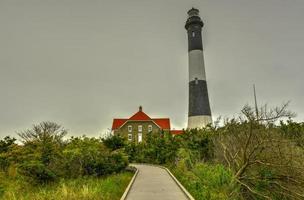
<point>199,113</point>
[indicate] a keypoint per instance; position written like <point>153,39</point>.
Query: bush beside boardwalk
<point>83,188</point>
<point>46,162</point>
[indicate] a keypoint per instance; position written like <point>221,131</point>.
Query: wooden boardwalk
<point>154,183</point>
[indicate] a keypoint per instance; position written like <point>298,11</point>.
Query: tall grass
<point>207,182</point>
<point>85,188</point>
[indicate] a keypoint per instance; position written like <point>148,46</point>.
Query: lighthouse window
<point>193,34</point>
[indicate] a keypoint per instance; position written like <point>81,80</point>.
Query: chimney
<point>140,108</point>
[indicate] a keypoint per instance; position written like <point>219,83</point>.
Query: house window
<point>130,129</point>
<point>193,34</point>
<point>139,137</point>
<point>140,128</point>
<point>150,128</point>
<point>130,136</point>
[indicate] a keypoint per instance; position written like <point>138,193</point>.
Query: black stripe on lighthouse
<point>198,98</point>
<point>195,38</point>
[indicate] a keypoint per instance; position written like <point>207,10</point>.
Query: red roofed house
<point>139,125</point>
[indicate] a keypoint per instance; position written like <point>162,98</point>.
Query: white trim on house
<point>141,121</point>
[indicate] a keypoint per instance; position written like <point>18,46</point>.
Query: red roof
<point>117,123</point>
<point>176,132</point>
<point>163,123</point>
<point>140,115</point>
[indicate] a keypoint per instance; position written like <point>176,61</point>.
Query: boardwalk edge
<point>188,195</point>
<point>125,194</point>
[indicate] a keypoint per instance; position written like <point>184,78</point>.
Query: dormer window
<point>130,129</point>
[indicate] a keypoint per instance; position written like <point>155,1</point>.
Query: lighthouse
<point>199,113</point>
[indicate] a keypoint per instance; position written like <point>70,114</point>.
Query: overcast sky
<point>81,63</point>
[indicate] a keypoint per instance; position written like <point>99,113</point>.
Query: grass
<point>88,188</point>
<point>207,182</point>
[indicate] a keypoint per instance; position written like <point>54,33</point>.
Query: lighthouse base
<point>199,121</point>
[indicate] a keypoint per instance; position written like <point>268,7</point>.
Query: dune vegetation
<point>47,166</point>
<point>257,155</point>
<point>83,188</point>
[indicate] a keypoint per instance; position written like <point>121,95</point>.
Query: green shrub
<point>215,176</point>
<point>159,148</point>
<point>2,190</point>
<point>80,156</point>
<point>114,142</point>
<point>4,163</point>
<point>37,172</point>
<point>114,163</point>
<point>6,146</point>
<point>184,159</point>
<point>131,149</point>
<point>6,143</point>
<point>88,156</point>
<point>294,131</point>
<point>199,142</point>
<point>207,181</point>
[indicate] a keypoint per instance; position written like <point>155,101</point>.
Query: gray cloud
<point>81,63</point>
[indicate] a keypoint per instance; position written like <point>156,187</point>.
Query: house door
<point>139,137</point>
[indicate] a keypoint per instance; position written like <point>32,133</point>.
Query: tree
<point>6,143</point>
<point>45,138</point>
<point>41,152</point>
<point>265,164</point>
<point>44,131</point>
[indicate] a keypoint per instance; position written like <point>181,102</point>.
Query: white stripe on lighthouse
<point>199,121</point>
<point>196,65</point>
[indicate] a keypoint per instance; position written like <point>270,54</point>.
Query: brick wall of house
<point>124,132</point>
